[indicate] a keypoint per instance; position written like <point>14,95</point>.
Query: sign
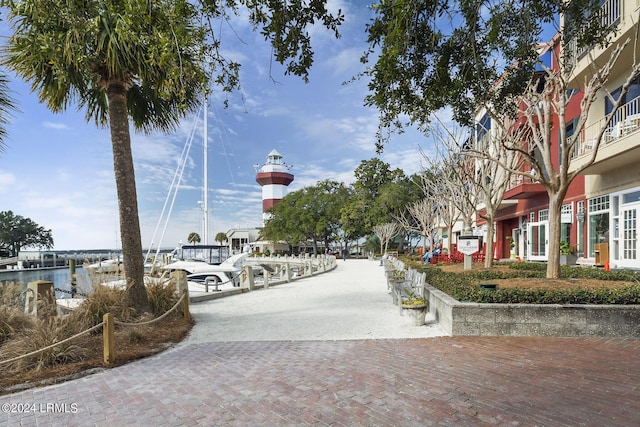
<point>468,245</point>
<point>566,218</point>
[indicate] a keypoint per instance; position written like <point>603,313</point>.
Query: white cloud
<point>57,126</point>
<point>7,180</point>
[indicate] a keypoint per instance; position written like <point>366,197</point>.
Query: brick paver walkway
<point>450,381</point>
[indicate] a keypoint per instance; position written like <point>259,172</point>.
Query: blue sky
<point>57,169</point>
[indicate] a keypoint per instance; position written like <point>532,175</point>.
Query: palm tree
<point>7,104</point>
<point>120,61</point>
<point>193,237</point>
<point>221,237</point>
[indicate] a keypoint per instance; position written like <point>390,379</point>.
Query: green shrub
<point>464,287</point>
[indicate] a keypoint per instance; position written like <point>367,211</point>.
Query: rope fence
<point>109,322</point>
<point>108,331</point>
<point>71,338</point>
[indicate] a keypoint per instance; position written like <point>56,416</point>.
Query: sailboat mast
<point>206,173</point>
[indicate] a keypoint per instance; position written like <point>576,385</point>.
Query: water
<point>59,276</point>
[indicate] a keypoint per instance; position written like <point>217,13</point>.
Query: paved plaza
<point>333,350</point>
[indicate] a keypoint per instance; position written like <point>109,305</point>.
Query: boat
<point>207,264</point>
<point>205,273</point>
<point>105,266</point>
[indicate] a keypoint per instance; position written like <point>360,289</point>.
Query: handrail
<point>626,120</point>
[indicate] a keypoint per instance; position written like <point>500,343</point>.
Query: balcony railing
<point>610,14</point>
<point>624,122</point>
<point>516,181</point>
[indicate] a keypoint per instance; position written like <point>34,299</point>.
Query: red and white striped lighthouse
<point>274,178</point>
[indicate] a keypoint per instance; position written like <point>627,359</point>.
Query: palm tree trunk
<point>127,197</point>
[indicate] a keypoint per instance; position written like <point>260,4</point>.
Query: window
<point>580,236</point>
<point>483,126</point>
<point>631,197</point>
<point>566,219</point>
<point>599,203</point>
<point>598,222</point>
<point>570,129</point>
<point>630,108</point>
<point>543,215</point>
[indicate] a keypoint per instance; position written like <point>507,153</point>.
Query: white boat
<point>199,269</point>
<point>105,266</point>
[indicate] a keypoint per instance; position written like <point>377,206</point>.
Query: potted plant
<point>414,309</point>
<point>567,254</point>
<point>512,245</point>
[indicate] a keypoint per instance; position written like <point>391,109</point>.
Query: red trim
<point>279,178</point>
<point>269,203</point>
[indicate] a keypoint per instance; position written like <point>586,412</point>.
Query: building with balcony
<point>522,220</point>
<point>612,181</point>
<point>600,210</point>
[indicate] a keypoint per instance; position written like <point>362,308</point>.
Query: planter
<point>397,290</point>
<point>568,259</point>
<point>413,314</point>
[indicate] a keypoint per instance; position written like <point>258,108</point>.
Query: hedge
<point>464,286</point>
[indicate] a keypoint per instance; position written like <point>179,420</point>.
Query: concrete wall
<point>473,319</point>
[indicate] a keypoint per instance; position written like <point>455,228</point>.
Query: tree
<point>431,55</point>
<point>483,170</point>
<point>393,201</point>
<point>487,58</point>
<point>7,105</point>
<point>193,238</point>
<point>386,232</point>
<point>310,214</point>
<point>422,219</point>
<point>17,232</point>
<point>144,61</point>
<point>324,204</point>
<point>119,60</point>
<point>544,102</point>
<point>450,180</point>
<point>221,237</point>
<point>366,208</point>
<point>284,220</point>
<point>492,178</point>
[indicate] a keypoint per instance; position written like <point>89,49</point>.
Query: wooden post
<point>247,274</point>
<point>185,304</point>
<point>108,339</point>
<point>72,274</point>
<point>40,295</point>
<point>265,275</point>
<point>287,267</point>
<point>181,280</point>
<point>183,289</point>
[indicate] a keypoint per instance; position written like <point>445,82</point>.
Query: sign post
<point>468,245</point>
